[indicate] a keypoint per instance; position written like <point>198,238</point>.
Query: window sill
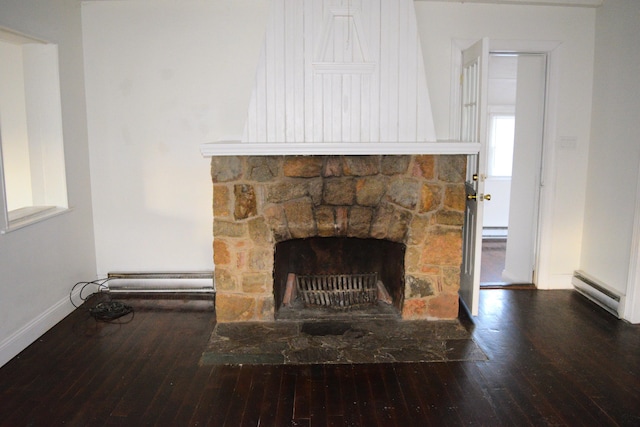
<point>23,217</point>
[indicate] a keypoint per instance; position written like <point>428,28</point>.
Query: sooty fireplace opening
<point>341,274</point>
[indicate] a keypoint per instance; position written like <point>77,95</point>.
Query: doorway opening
<point>515,122</point>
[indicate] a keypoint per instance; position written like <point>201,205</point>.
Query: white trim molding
<point>237,148</point>
<point>566,3</point>
<point>631,310</point>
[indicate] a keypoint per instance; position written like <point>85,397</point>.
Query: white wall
<point>165,76</point>
<point>614,155</point>
<point>40,263</point>
<point>573,28</point>
<point>162,78</point>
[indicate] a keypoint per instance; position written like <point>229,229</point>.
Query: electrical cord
<point>109,310</point>
<point>101,284</point>
<point>105,311</point>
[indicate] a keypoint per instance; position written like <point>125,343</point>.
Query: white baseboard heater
<point>194,282</point>
<point>598,292</point>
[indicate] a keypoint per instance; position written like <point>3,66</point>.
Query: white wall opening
<point>32,172</point>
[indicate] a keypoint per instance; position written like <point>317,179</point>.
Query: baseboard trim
<point>11,346</point>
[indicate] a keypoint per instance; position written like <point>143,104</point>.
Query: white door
<point>473,91</point>
<point>527,159</point>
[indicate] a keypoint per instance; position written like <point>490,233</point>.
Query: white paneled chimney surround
<point>340,77</point>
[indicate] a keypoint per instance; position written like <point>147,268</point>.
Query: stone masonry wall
<point>261,200</point>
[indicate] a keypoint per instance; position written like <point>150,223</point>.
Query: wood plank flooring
<point>555,359</point>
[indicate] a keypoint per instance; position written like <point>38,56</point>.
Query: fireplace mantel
<point>238,148</point>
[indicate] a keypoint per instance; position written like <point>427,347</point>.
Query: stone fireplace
<point>339,154</point>
<point>415,201</point>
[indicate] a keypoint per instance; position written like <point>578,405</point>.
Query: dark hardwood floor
<point>554,359</point>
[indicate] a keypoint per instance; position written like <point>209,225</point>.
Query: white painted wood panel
<point>340,71</point>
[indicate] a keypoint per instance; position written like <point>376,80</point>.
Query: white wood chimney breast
<point>340,71</point>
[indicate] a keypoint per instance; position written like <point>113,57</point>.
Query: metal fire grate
<point>338,290</point>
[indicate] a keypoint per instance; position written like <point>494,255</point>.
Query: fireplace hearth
<point>398,216</point>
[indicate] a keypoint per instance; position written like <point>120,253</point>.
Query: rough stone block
<point>443,246</point>
<point>285,191</point>
<point>326,221</point>
<point>265,308</point>
<point>276,220</point>
<point>263,168</point>
<point>452,168</point>
<point>418,229</point>
<point>314,190</point>
<point>234,307</point>
<point>223,228</point>
<point>339,191</point>
<point>256,283</point>
<point>245,201</point>
<point>332,166</point>
<point>300,219</point>
<point>443,306</point>
<point>451,279</point>
<point>430,197</point>
<point>221,253</point>
<point>404,192</point>
<point>455,197</point>
<point>359,221</point>
<point>221,201</point>
<point>412,259</point>
<point>361,165</point>
<point>394,165</point>
<point>259,232</point>
<point>342,221</point>
<point>414,309</point>
<point>424,166</point>
<point>399,226</point>
<point>381,221</point>
<point>224,280</point>
<point>302,166</point>
<point>419,286</point>
<point>450,218</point>
<point>226,168</point>
<point>261,259</point>
<point>370,190</point>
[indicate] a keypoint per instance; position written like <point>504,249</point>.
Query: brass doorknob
<point>482,197</point>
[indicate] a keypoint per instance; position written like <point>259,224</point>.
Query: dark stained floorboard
<point>554,359</point>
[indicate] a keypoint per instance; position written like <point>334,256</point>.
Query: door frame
<point>542,277</point>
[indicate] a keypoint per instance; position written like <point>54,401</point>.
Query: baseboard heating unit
<point>598,292</point>
<point>199,282</point>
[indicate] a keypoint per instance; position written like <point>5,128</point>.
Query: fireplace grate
<point>338,290</point>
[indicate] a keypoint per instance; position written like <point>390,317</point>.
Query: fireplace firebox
<point>339,274</point>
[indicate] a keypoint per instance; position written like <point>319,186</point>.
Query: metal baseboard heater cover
<point>598,292</point>
<point>200,282</point>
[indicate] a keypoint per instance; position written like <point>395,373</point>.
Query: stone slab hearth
<point>336,342</point>
<point>416,200</point>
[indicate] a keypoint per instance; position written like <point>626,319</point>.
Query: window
<point>32,174</point>
<point>501,137</point>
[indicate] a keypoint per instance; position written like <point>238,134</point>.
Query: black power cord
<point>105,311</point>
<point>109,310</point>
